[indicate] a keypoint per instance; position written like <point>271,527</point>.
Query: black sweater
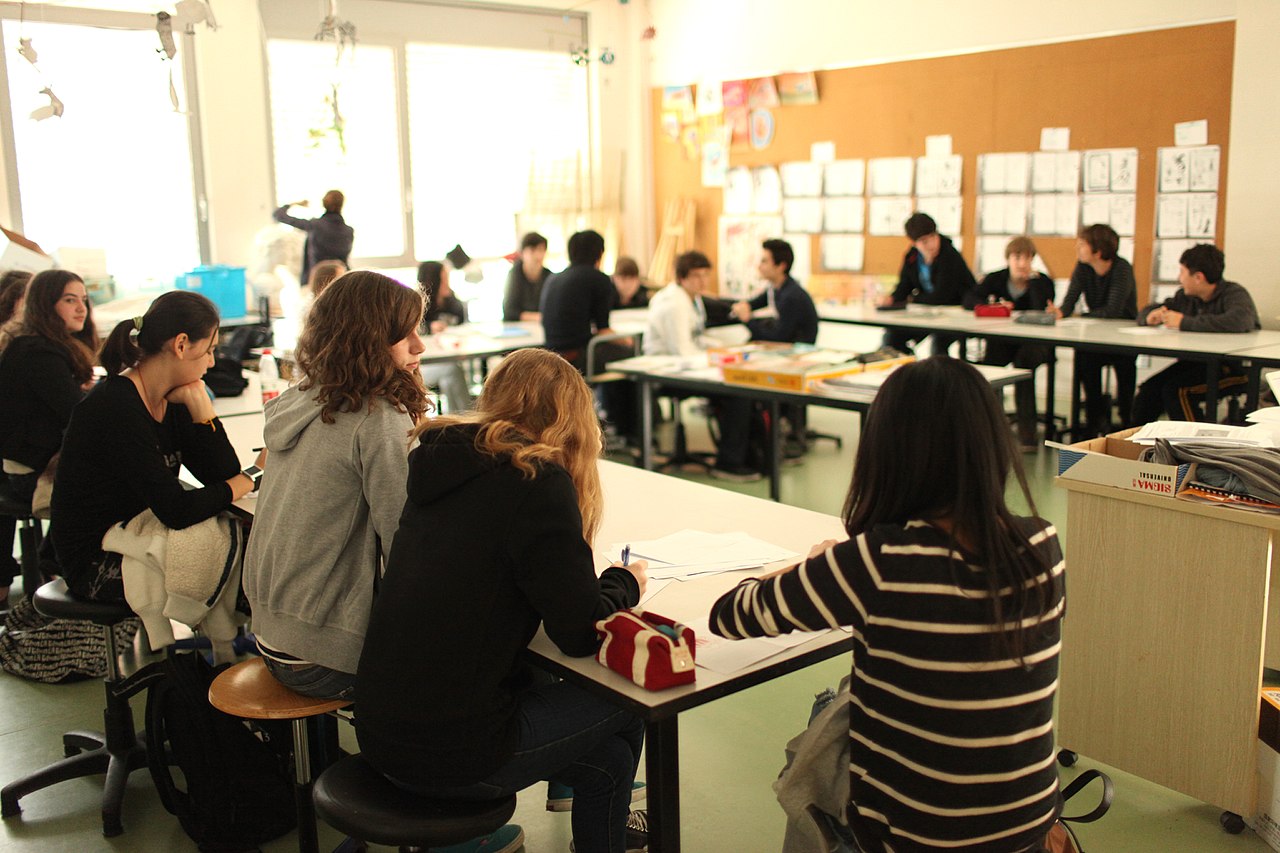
<point>522,294</point>
<point>575,306</point>
<point>797,320</point>
<point>483,556</point>
<point>117,461</point>
<point>1110,296</point>
<point>948,274</point>
<point>1231,309</point>
<point>37,393</point>
<point>1038,295</point>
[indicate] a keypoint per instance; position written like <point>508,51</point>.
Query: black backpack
<point>234,790</point>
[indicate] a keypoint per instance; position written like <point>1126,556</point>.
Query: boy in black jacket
<point>1206,303</point>
<point>933,273</point>
<point>1022,289</point>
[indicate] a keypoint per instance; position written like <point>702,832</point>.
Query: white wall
<point>714,40</point>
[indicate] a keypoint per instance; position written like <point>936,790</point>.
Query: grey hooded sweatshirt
<point>329,492</point>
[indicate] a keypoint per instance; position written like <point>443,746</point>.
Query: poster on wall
<point>739,252</point>
<point>798,88</point>
<point>761,128</point>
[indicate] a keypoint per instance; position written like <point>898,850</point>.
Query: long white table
<point>642,505</point>
<point>654,372</point>
<point>1087,333</point>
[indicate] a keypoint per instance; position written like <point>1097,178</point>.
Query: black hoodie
<point>483,556</point>
<point>949,275</point>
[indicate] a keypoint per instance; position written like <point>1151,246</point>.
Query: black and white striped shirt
<point>951,740</point>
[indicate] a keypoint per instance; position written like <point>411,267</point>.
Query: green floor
<point>731,749</point>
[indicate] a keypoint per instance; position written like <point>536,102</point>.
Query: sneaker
<point>735,474</point>
<point>560,797</point>
<point>637,833</point>
<point>508,839</point>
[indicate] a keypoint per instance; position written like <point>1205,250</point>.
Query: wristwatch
<point>254,473</point>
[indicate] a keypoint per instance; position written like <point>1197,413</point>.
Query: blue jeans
<point>319,682</point>
<point>567,735</point>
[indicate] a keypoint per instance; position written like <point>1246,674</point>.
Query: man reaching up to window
<point>329,237</point>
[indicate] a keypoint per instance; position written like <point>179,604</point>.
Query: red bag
<point>991,309</point>
<point>635,645</point>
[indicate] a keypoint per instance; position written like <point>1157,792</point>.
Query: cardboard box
<point>799,373</point>
<point>720,356</point>
<point>1267,822</point>
<point>19,253</point>
<point>1112,461</point>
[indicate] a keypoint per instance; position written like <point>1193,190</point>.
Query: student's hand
<point>885,301</point>
<point>1156,316</point>
<point>303,203</point>
<point>194,396</point>
<point>639,571</point>
<point>438,326</point>
<point>782,571</point>
<point>261,461</point>
<point>1007,304</point>
<point>1172,319</point>
<point>1054,310</point>
<point>88,385</point>
<point>742,311</point>
<point>821,548</point>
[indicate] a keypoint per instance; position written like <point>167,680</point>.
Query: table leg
<point>775,449</point>
<point>1075,397</point>
<point>646,424</point>
<point>1213,373</point>
<point>1255,389</point>
<point>1051,377</point>
<point>662,765</point>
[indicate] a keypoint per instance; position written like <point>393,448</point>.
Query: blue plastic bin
<point>223,285</point>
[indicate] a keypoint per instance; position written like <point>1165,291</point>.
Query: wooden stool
<point>356,799</point>
<point>250,691</point>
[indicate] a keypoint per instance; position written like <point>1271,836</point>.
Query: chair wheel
<point>1067,758</point>
<point>1232,822</point>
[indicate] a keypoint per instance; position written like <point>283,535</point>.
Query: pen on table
<point>626,554</point>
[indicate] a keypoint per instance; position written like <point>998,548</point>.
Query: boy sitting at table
<point>1022,289</point>
<point>933,273</point>
<point>1206,303</point>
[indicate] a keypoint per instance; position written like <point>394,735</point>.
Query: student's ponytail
<point>171,314</point>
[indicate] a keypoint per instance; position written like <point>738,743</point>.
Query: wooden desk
<point>643,505</point>
<point>653,372</point>
<point>1167,630</point>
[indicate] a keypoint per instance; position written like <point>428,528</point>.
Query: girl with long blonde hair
<point>495,540</point>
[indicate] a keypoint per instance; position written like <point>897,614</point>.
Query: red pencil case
<point>653,651</point>
<point>991,310</point>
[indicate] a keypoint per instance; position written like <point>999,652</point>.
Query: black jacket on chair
<point>37,393</point>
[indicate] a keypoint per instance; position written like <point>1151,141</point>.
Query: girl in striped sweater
<point>955,605</point>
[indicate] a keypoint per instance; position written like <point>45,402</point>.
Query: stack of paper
<point>728,656</point>
<point>1190,432</point>
<point>693,552</point>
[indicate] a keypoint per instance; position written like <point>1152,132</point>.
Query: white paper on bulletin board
<point>739,251</point>
<point>887,216</point>
<point>842,252</point>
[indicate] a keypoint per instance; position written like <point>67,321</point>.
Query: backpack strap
<point>1078,784</point>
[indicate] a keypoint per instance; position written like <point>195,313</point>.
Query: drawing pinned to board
<point>945,211</point>
<point>1175,170</point>
<point>887,215</point>
<point>1123,213</point>
<point>844,214</point>
<point>845,177</point>
<point>1097,171</point>
<point>739,189</point>
<point>761,92</point>
<point>715,158</point>
<point>1202,215</point>
<point>736,119</point>
<point>766,190</point>
<point>678,99</point>
<point>689,140</point>
<point>739,251</point>
<point>798,88</point>
<point>671,126</point>
<point>733,93</point>
<point>891,176</point>
<point>1124,170</point>
<point>709,101</point>
<point>938,176</point>
<point>761,128</point>
<point>1171,215</point>
<point>802,215</point>
<point>801,178</point>
<point>843,252</point>
<point>1203,169</point>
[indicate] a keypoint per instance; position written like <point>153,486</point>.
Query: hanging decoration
<point>343,34</point>
<point>168,47</point>
<point>188,13</point>
<point>28,52</point>
<point>53,108</point>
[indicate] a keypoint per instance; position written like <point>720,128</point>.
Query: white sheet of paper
<point>1145,330</point>
<point>1044,171</point>
<point>845,177</point>
<point>991,173</point>
<point>729,656</point>
<point>822,152</point>
<point>802,215</point>
<point>1124,214</point>
<point>1067,214</point>
<point>1171,215</point>
<point>991,254</point>
<point>1067,172</point>
<point>945,211</point>
<point>1203,169</point>
<point>767,190</point>
<point>1167,254</point>
<point>801,178</point>
<point>1017,172</point>
<point>739,188</point>
<point>937,146</point>
<point>1174,170</point>
<point>1191,132</point>
<point>991,213</point>
<point>1126,250</point>
<point>886,216</point>
<point>1095,209</point>
<point>844,214</point>
<point>842,252</point>
<point>801,269</point>
<point>1124,170</point>
<point>891,176</point>
<point>1097,172</point>
<point>938,175</point>
<point>1015,214</point>
<point>1055,138</point>
<point>1044,214</point>
<point>1202,215</point>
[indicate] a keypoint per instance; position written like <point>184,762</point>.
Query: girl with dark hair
<point>955,605</point>
<point>131,434</point>
<point>13,295</point>
<point>43,374</point>
<point>339,444</point>
<point>444,309</point>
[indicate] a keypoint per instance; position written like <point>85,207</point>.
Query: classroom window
<point>115,170</point>
<point>499,143</point>
<point>362,158</point>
